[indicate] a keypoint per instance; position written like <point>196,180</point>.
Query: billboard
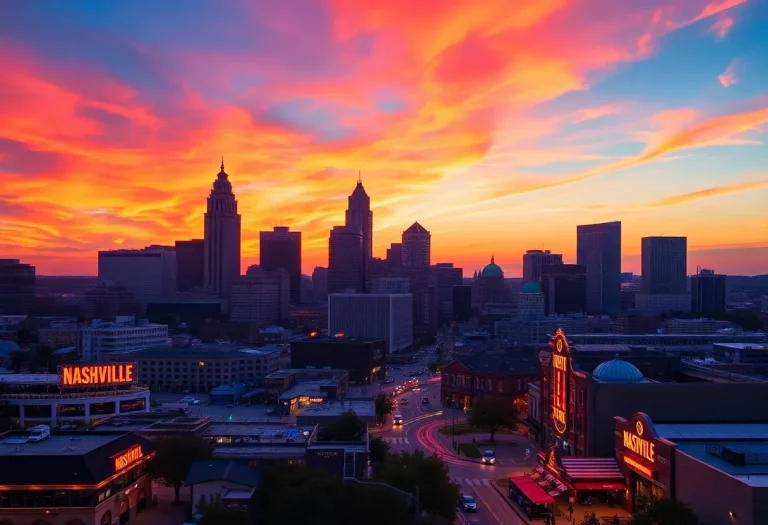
<point>97,375</point>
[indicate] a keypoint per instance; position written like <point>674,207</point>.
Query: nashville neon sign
<point>642,447</point>
<point>560,382</point>
<point>96,375</point>
<point>128,458</point>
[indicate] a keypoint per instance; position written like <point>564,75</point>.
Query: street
<point>421,423</point>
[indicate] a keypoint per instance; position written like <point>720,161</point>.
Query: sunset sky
<point>499,125</point>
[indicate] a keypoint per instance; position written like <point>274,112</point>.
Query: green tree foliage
<point>491,414</point>
<point>298,494</point>
<point>349,427</point>
<point>378,450</point>
<point>174,457</point>
<point>664,512</point>
<point>216,512</point>
<point>590,519</point>
<point>437,495</point>
<point>383,406</point>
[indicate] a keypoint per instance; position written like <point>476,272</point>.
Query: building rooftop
<point>209,351</point>
<point>309,388</point>
<point>712,431</point>
<point>69,444</point>
<point>29,379</point>
<point>501,364</point>
<point>288,372</point>
<point>744,346</point>
<point>263,432</point>
<point>361,407</point>
<point>743,460</point>
<point>217,469</point>
<point>337,339</point>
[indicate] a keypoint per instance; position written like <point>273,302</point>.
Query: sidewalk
<point>603,512</point>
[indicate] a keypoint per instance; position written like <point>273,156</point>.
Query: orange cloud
<point>722,26</point>
<point>715,191</point>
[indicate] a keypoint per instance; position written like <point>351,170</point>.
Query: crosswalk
<point>473,482</point>
<point>396,440</point>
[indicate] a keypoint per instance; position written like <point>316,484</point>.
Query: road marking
<point>488,507</point>
<point>397,440</point>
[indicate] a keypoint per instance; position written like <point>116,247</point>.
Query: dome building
<point>489,287</point>
<point>617,371</point>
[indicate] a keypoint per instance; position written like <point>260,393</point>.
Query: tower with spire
<point>222,237</point>
<point>359,217</point>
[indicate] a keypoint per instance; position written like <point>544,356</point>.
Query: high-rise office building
<point>533,260</point>
<point>359,218</point>
<point>190,265</point>
<point>664,261</point>
<point>417,243</point>
<point>17,287</point>
<point>320,283</point>
<point>281,248</point>
<point>345,253</point>
<point>395,257</point>
<point>149,273</point>
<point>598,248</point>
<point>447,277</point>
<point>386,316</point>
<point>222,237</point>
<point>564,287</point>
<point>261,296</point>
<point>708,292</point>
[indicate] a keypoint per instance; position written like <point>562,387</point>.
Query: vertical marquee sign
<point>560,377</point>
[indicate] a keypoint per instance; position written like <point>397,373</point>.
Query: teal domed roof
<point>8,347</point>
<point>617,371</point>
<point>493,270</point>
<point>531,288</point>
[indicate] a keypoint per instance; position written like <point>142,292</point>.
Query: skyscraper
<point>416,247</point>
<point>708,292</point>
<point>598,248</point>
<point>565,288</point>
<point>190,265</point>
<point>281,248</point>
<point>149,273</point>
<point>395,257</point>
<point>345,252</point>
<point>359,217</point>
<point>17,287</point>
<point>533,260</point>
<point>664,262</point>
<point>320,283</point>
<point>222,237</point>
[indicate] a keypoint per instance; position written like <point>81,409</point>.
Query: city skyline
<point>112,127</point>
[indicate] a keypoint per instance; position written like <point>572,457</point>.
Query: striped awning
<point>590,469</point>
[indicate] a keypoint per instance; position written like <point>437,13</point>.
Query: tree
<point>348,427</point>
<point>216,512</point>
<point>437,495</point>
<point>378,450</point>
<point>590,519</point>
<point>326,499</point>
<point>174,457</point>
<point>491,414</point>
<point>664,512</point>
<point>383,406</point>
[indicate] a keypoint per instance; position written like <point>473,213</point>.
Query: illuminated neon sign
<point>642,447</point>
<point>642,469</point>
<point>97,375</point>
<point>559,389</point>
<point>128,457</point>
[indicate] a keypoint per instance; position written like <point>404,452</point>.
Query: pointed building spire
<point>222,163</point>
<point>359,177</point>
<point>492,260</point>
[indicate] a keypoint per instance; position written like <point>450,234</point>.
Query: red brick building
<point>469,378</point>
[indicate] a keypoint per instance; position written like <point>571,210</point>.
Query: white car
<point>397,420</point>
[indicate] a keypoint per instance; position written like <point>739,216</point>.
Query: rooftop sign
<point>97,375</point>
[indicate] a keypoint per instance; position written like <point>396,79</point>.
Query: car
<point>489,457</point>
<point>468,503</point>
<point>230,405</point>
<point>404,401</point>
<point>397,420</point>
<point>425,400</point>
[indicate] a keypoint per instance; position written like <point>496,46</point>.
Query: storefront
<point>581,480</point>
<point>645,459</point>
<point>73,478</point>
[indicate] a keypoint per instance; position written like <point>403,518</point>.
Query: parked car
<point>468,503</point>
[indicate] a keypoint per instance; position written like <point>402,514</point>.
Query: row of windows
<point>481,384</point>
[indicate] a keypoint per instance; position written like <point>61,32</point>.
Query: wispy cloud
<point>728,77</point>
<point>722,27</point>
<point>715,191</point>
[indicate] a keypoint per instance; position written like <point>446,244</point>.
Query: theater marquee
<point>97,375</point>
<point>560,380</point>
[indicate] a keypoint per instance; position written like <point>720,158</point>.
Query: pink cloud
<point>722,27</point>
<point>728,77</point>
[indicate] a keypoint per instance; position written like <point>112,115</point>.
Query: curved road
<point>419,431</point>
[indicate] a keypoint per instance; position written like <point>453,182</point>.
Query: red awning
<point>599,485</point>
<point>591,469</point>
<point>532,491</point>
